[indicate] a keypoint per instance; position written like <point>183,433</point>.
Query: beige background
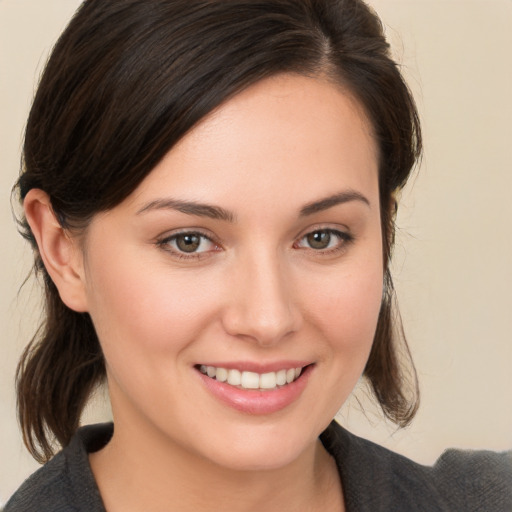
<point>453,261</point>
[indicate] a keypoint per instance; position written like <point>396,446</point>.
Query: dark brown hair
<point>126,80</point>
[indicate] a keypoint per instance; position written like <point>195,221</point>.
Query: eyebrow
<point>217,212</point>
<point>334,200</point>
<point>189,208</point>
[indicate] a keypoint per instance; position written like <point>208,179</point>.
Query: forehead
<point>287,135</point>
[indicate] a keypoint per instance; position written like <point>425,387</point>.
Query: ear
<point>60,252</point>
<point>393,203</point>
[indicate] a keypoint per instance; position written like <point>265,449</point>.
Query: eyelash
<point>343,237</point>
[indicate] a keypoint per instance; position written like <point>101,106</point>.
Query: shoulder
<point>65,483</point>
<point>36,491</point>
<point>375,478</point>
<point>478,480</point>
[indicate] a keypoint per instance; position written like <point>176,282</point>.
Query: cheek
<point>133,303</point>
<point>347,310</point>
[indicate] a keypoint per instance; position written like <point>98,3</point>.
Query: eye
<point>324,239</point>
<point>188,243</point>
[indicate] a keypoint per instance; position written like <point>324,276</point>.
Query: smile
<point>252,380</point>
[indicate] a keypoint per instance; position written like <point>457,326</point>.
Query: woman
<point>210,188</point>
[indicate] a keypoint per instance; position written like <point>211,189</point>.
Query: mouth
<point>254,389</point>
<point>251,380</point>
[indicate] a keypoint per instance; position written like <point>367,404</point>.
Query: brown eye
<point>324,240</point>
<point>319,239</point>
<point>188,242</point>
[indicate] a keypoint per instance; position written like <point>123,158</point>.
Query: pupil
<point>188,243</point>
<point>319,239</point>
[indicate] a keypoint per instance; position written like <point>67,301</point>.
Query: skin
<point>256,290</point>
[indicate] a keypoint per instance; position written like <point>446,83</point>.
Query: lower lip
<point>253,401</point>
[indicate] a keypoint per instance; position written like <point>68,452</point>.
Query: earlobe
<point>60,253</point>
<point>393,203</point>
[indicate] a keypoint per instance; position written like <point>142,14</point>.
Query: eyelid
<point>342,229</point>
<point>187,230</point>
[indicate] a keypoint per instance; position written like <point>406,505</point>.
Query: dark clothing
<point>374,478</point>
<point>66,482</point>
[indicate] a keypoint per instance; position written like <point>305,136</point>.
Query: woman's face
<point>253,248</point>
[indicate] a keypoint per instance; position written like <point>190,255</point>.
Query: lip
<point>257,402</point>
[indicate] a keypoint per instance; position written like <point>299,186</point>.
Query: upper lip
<point>257,367</point>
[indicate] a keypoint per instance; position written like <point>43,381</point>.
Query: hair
<point>128,79</point>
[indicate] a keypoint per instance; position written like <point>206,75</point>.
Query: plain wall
<point>453,260</point>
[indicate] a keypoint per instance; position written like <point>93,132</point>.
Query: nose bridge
<point>262,305</point>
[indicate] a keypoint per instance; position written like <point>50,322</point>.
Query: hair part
<point>125,82</point>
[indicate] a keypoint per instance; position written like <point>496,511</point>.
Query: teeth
<point>281,377</point>
<point>268,380</point>
<point>222,374</point>
<point>234,377</point>
<point>252,380</point>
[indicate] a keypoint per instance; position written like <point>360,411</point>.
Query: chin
<point>264,447</point>
<point>258,460</point>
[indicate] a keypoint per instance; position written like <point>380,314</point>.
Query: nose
<point>262,305</point>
